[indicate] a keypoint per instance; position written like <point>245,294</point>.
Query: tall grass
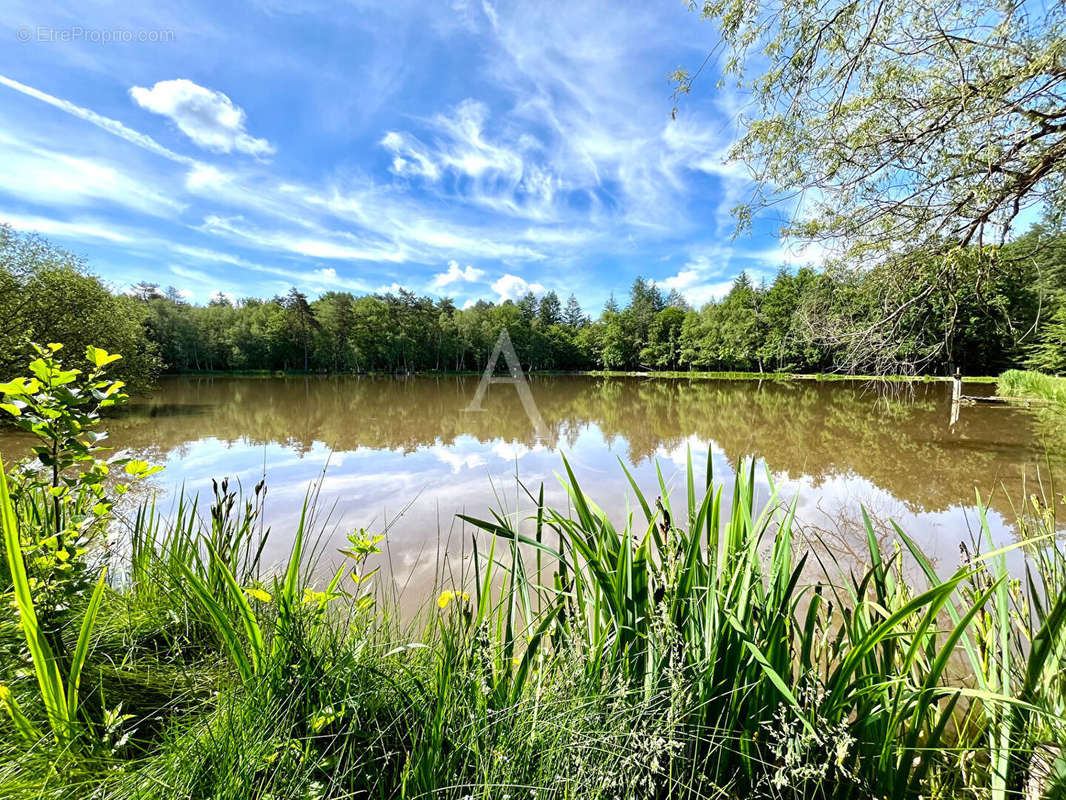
<point>1036,385</point>
<point>690,651</point>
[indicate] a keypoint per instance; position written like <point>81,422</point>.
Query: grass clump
<point>1035,385</point>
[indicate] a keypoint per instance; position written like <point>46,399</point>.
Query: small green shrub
<point>62,498</point>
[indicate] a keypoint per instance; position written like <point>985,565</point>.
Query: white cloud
<point>695,281</point>
<point>203,176</point>
<point>410,156</point>
<point>376,222</point>
<point>105,123</point>
<point>796,254</point>
<point>565,154</point>
<point>512,287</point>
<point>289,276</point>
<point>512,451</point>
<point>75,229</point>
<point>500,172</point>
<point>613,139</point>
<point>185,294</point>
<point>342,246</point>
<point>455,460</point>
<point>462,147</point>
<point>206,116</point>
<point>192,274</point>
<point>457,274</point>
<point>51,178</point>
<point>222,297</point>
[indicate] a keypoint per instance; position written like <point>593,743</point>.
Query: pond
<point>404,453</point>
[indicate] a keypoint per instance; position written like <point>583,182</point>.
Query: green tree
<point>663,349</point>
<point>915,121</point>
<point>529,306</point>
<point>677,300</point>
<point>335,316</point>
<point>901,132</point>
<point>303,320</point>
<point>741,326</point>
<point>47,294</point>
<point>573,316</point>
<point>550,311</point>
<point>1049,353</point>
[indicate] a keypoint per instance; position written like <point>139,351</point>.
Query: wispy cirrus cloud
<point>55,179</point>
<point>104,123</point>
<point>80,229</point>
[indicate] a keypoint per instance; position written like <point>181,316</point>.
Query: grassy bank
<point>1033,385</point>
<point>682,656</point>
<point>789,376</point>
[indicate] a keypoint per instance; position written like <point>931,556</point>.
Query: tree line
<point>974,318</point>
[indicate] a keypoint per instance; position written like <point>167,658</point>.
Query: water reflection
<point>406,445</point>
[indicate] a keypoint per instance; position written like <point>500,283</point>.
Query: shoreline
<point>821,377</point>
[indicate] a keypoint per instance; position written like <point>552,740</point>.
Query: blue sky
<point>464,149</point>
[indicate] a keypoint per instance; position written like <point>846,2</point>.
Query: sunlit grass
<point>1035,385</point>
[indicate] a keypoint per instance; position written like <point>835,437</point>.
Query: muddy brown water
<point>402,453</point>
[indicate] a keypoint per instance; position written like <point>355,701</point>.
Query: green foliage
<point>1049,352</point>
<point>945,312</point>
<point>909,136</point>
<point>48,295</point>
<point>60,494</point>
<point>982,310</point>
<point>59,503</point>
<point>911,122</point>
<point>65,494</point>
<point>706,611</point>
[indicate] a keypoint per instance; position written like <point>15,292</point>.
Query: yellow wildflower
<point>447,596</point>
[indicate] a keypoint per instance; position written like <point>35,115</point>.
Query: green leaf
<point>222,623</point>
<point>45,665</point>
<point>100,358</point>
<point>23,725</point>
<point>20,386</point>
<point>136,467</point>
<point>81,650</point>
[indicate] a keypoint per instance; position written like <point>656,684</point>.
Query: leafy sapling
<point>63,496</point>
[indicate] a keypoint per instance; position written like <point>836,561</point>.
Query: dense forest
<point>976,317</point>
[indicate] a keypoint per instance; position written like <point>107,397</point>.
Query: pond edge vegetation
<point>682,655</point>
